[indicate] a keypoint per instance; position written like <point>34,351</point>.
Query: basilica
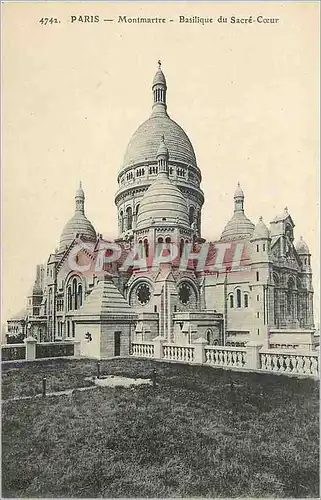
<point>159,205</point>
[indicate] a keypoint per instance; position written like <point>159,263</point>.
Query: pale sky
<point>73,94</point>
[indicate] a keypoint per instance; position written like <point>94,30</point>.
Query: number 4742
<point>48,20</point>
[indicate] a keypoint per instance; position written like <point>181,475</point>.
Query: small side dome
<point>239,227</point>
<point>162,202</point>
<point>78,224</point>
<point>260,231</point>
<point>301,247</point>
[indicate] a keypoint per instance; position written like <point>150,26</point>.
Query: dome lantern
<point>238,199</point>
<point>80,200</point>
<point>159,88</point>
<point>162,158</point>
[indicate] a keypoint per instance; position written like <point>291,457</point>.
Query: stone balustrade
<point>143,349</point>
<point>251,357</point>
<point>290,363</point>
<point>174,352</point>
<point>30,350</point>
<point>13,352</point>
<point>225,356</point>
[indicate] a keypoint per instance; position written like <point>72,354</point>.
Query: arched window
<point>159,246</point>
<point>140,249</point>
<point>191,215</point>
<point>199,221</point>
<point>74,293</point>
<point>69,300</point>
<point>146,248</point>
<point>137,208</point>
<point>231,301</point>
<point>121,221</point>
<point>208,336</point>
<point>181,248</point>
<point>168,243</point>
<point>246,300</point>
<point>129,214</point>
<point>238,298</point>
<point>80,295</point>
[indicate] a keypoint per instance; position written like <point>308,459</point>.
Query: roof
<point>159,78</point>
<point>282,217</point>
<point>78,224</point>
<point>239,192</point>
<point>80,192</point>
<point>19,315</point>
<point>301,247</point>
<point>260,231</point>
<point>105,299</point>
<point>144,144</point>
<point>239,227</point>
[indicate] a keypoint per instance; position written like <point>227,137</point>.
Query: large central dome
<point>144,143</point>
<point>139,168</point>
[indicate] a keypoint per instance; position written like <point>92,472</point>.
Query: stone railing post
<point>30,343</point>
<point>158,347</point>
<point>253,355</point>
<point>199,351</point>
<point>76,348</point>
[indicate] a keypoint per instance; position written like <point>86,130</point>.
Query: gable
<point>289,256</point>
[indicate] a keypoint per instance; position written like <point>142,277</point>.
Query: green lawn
<point>194,435</point>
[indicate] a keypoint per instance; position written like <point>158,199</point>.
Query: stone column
<point>76,349</point>
<point>295,308</point>
<point>282,307</point>
<point>30,343</point>
<point>310,310</point>
<point>199,351</point>
<point>253,355</point>
<point>158,347</point>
